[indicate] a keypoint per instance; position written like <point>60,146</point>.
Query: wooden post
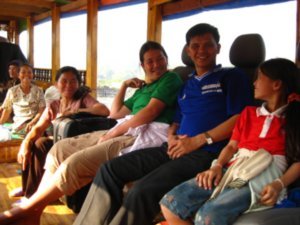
<point>91,65</point>
<point>12,31</point>
<point>30,31</point>
<point>55,13</point>
<point>154,21</point>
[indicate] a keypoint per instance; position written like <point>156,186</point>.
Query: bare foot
<point>20,216</point>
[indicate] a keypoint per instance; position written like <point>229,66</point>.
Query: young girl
<point>265,142</point>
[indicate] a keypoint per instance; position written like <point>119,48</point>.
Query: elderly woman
<point>25,100</point>
<point>73,162</point>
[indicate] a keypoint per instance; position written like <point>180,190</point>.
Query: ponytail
<point>286,71</point>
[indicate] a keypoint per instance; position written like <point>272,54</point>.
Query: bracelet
<point>281,183</point>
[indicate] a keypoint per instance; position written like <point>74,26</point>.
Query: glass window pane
<point>119,40</point>
<point>23,41</point>
<point>73,41</point>
<point>42,45</point>
<point>3,33</point>
<point>271,21</point>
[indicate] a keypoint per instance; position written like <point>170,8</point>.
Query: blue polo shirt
<point>207,101</point>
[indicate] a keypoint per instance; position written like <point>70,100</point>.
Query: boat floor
<point>54,214</point>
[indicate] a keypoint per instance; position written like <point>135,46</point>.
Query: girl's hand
<point>24,154</point>
<point>270,193</point>
<point>209,178</point>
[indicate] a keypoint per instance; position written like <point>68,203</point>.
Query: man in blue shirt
<point>208,106</point>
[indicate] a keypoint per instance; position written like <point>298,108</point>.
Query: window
<point>3,33</point>
<point>23,42</point>
<point>271,21</point>
<point>42,45</point>
<point>73,41</point>
<point>119,40</point>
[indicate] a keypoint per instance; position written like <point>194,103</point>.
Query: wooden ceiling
<point>39,9</point>
<point>21,9</point>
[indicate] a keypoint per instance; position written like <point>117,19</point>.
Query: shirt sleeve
<point>239,125</point>
<point>7,104</point>
<point>130,101</point>
<point>42,102</point>
<point>51,111</point>
<point>178,115</point>
<point>237,87</point>
<point>88,101</point>
<point>168,88</point>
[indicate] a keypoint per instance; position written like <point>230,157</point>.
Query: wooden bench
<point>9,150</point>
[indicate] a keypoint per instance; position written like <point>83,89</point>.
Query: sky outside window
<point>270,21</point>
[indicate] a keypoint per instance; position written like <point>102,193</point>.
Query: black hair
<point>151,45</point>
<point>287,72</point>
<point>66,69</point>
<point>14,63</point>
<point>22,64</point>
<point>201,29</point>
<point>82,90</point>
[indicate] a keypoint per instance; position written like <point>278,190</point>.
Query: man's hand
<point>209,178</point>
<point>181,145</point>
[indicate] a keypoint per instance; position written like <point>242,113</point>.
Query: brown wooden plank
<point>187,5</point>
<point>91,69</point>
<point>39,3</point>
<point>154,22</point>
<point>55,40</point>
<point>9,150</point>
<point>30,30</point>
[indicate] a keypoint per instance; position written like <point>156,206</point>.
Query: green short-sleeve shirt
<point>164,89</point>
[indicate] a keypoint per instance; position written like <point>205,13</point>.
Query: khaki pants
<point>76,160</point>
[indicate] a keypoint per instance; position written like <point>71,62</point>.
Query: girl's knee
<point>206,217</point>
<point>211,213</point>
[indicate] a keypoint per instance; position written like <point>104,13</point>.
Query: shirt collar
<point>262,111</point>
<point>215,69</point>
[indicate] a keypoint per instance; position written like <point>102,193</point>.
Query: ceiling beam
<point>73,6</point>
<point>40,3</point>
<point>15,13</point>
<point>22,8</point>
